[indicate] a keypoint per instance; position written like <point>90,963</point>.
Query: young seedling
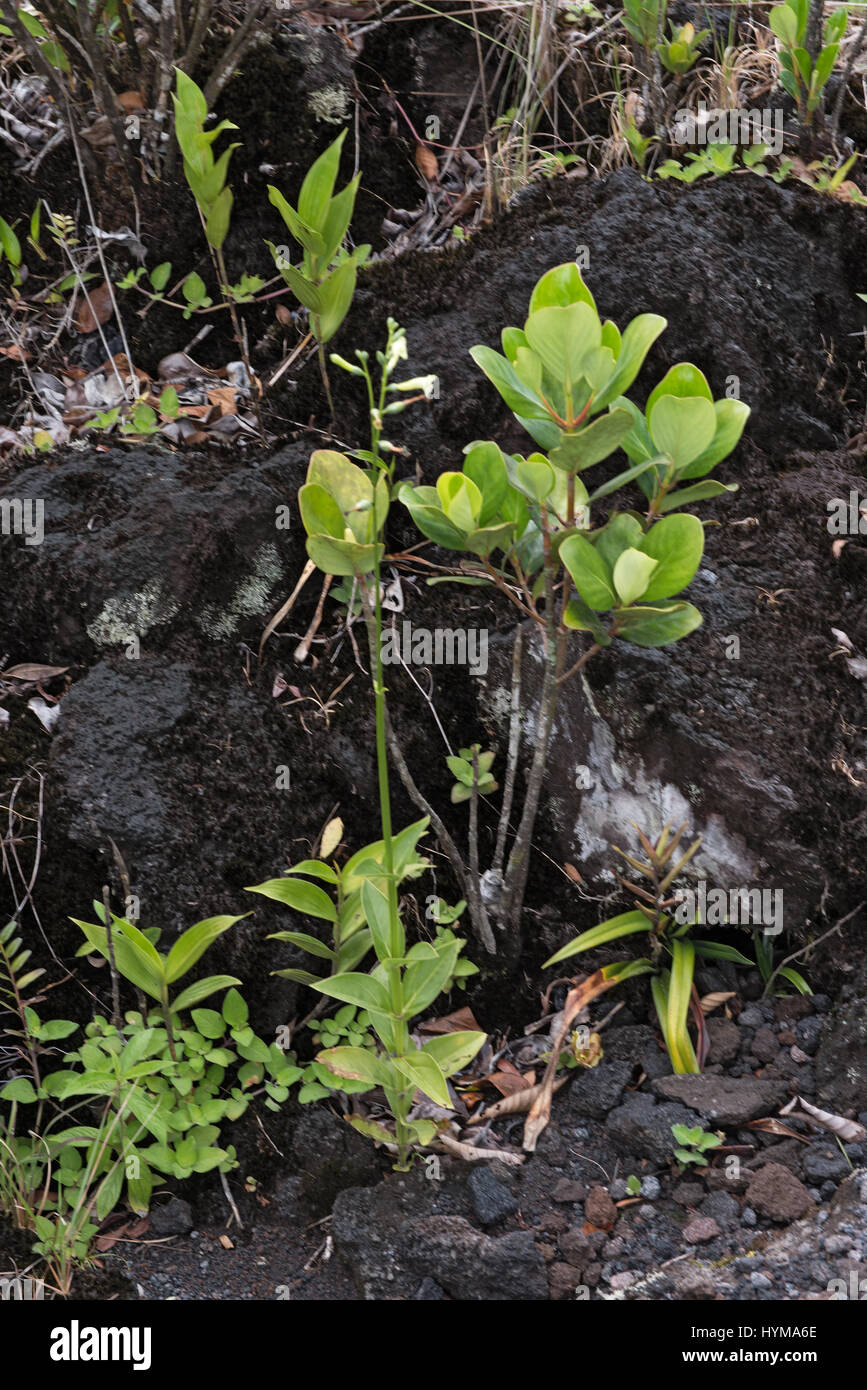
<point>693,1145</point>
<point>324,281</point>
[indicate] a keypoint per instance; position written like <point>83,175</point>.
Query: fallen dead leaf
<point>850,1131</point>
<point>709,1002</point>
<point>32,673</point>
<point>427,163</point>
<point>226,1243</point>
<point>95,310</point>
<point>458,1022</point>
<point>130,101</point>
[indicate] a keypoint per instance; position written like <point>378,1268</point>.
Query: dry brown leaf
<point>224,397</point>
<point>576,1000</point>
<point>29,672</point>
<point>226,1243</point>
<point>508,1083</point>
<point>458,1022</point>
<point>709,1002</point>
<point>95,310</point>
<point>472,1155</point>
<point>768,1125</point>
<point>130,101</point>
<point>15,352</point>
<point>283,314</point>
<point>850,1131</point>
<point>518,1104</point>
<point>572,872</point>
<point>427,163</point>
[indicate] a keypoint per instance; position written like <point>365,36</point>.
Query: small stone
<point>725,1040</point>
<point>823,1161</point>
<point>567,1190</point>
<point>797,1055</point>
<point>175,1218</point>
<point>428,1291</point>
<point>798,1006</point>
<point>700,1229</point>
<point>751,1017</point>
<point>765,1045</point>
<point>563,1280</point>
<point>722,1207</point>
<point>777,1194</point>
<point>693,1282</point>
<point>625,1279</point>
<point>650,1188</point>
<point>552,1221</point>
<point>492,1202</point>
<point>576,1248</point>
<point>592,1275</point>
<point>760,1280</point>
<point>688,1194</point>
<point>599,1209</point>
<point>618,1190</point>
<point>748,1217</point>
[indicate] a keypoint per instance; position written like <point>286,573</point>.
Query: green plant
<point>679,53</point>
<point>633,1185</point>
<point>52,1179</point>
<point>524,524</point>
<point>672,952</point>
<point>324,281</point>
<point>472,769</point>
<point>343,909</point>
<point>802,74</point>
<point>764,949</point>
<point>344,509</point>
<point>714,160</point>
<point>133,953</point>
<point>692,1145</point>
<point>206,176</point>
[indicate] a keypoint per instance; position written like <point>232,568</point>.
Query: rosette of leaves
<point>472,768</point>
<point>563,372</point>
<point>693,1145</point>
<point>683,433</point>
<point>340,904</point>
<point>679,53</point>
<point>630,574</point>
<point>804,79</point>
<point>343,508</point>
<point>324,280</point>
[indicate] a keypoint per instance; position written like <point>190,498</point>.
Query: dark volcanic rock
<point>723,1100</point>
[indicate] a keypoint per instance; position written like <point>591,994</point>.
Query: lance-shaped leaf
<point>422,1070</point>
<point>454,1051</point>
<point>193,943</point>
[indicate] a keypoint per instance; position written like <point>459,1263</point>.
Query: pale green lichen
<point>251,598</point>
<point>330,104</point>
<point>131,615</point>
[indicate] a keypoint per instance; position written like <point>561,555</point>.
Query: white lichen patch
<point>250,600</point>
<point>330,104</point>
<point>131,615</point>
